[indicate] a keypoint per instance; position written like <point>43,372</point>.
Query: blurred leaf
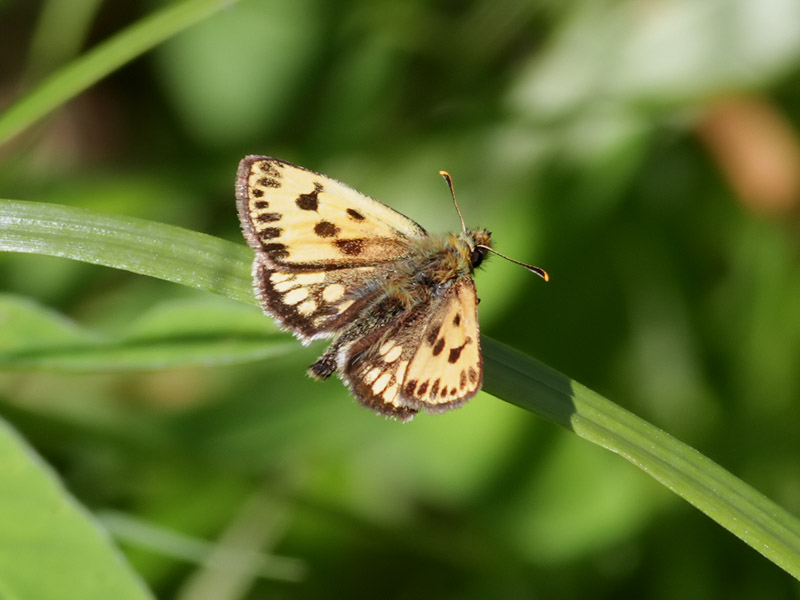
<point>551,521</point>
<point>179,333</point>
<point>235,74</point>
<point>676,51</point>
<point>49,547</point>
<point>81,73</point>
<point>223,557</point>
<point>60,32</point>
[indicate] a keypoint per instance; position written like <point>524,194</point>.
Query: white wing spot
<point>295,296</point>
<point>333,292</point>
<point>401,371</point>
<point>385,347</point>
<point>381,382</point>
<point>393,354</point>
<point>391,393</point>
<point>285,286</point>
<point>372,375</point>
<point>309,278</point>
<point>276,277</point>
<point>307,308</point>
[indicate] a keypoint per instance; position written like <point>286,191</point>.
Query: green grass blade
<point>212,264</point>
<point>748,514</point>
<point>163,251</point>
<point>52,548</point>
<point>86,70</point>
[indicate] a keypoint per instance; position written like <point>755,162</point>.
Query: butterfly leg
<point>325,365</point>
<point>381,312</point>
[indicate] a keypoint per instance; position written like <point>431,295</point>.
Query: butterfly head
<point>479,242</point>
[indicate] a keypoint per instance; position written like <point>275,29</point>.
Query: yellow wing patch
<point>300,218</point>
<point>429,358</point>
<point>447,367</point>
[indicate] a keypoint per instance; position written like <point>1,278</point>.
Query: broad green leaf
<point>51,547</point>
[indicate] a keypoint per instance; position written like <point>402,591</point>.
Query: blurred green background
<point>644,152</point>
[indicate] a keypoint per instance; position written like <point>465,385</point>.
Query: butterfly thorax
<point>435,263</point>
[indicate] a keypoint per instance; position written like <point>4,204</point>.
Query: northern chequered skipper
<point>399,303</point>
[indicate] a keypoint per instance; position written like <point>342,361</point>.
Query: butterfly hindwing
<point>429,358</point>
<point>299,219</point>
<point>447,369</point>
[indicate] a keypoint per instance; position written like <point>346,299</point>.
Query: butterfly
<point>399,303</point>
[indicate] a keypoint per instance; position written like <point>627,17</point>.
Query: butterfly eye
<point>476,256</point>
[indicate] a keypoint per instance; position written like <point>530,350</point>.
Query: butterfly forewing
<point>301,219</point>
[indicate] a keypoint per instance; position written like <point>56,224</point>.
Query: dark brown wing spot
<point>350,247</point>
<point>309,201</point>
<point>453,391</point>
<point>355,215</point>
<point>410,387</point>
<point>455,353</point>
<point>468,340</point>
<point>269,182</point>
<point>473,375</point>
<point>268,217</point>
<point>423,388</point>
<point>270,233</point>
<point>326,229</point>
<point>268,169</point>
<point>257,193</point>
<point>276,250</point>
<point>437,349</point>
<point>435,388</point>
<point>462,380</point>
<point>260,204</point>
<point>433,333</point>
<point>457,320</point>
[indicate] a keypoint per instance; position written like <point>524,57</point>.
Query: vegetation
<point>646,154</point>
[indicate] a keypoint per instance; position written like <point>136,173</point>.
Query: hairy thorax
<point>437,261</point>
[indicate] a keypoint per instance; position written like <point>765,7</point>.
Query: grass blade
<point>163,251</point>
<point>748,514</point>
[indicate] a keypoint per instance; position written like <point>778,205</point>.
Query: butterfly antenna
<point>538,270</point>
<point>449,181</point>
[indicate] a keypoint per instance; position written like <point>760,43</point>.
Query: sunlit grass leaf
<point>163,251</point>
